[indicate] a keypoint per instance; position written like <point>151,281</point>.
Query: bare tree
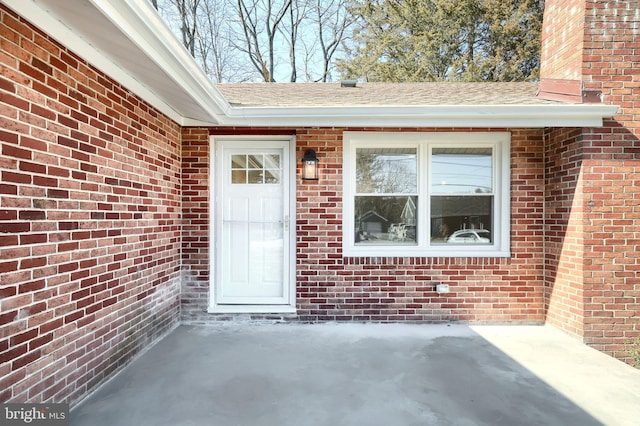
<point>219,58</point>
<point>314,33</point>
<point>260,39</point>
<point>333,21</point>
<point>297,13</point>
<point>261,21</point>
<point>204,27</point>
<point>188,15</point>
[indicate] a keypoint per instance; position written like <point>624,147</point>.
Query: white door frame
<point>214,217</point>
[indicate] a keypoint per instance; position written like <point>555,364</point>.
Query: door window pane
<point>255,169</point>
<point>386,219</point>
<point>238,161</point>
<point>255,161</point>
<point>272,176</point>
<point>239,176</point>
<point>255,176</point>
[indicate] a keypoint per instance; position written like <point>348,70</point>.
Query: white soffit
<point>128,40</point>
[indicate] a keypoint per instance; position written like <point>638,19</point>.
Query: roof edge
<point>140,22</point>
<point>574,115</point>
<point>145,29</point>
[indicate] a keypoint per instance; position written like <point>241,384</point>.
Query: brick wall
<point>332,287</point>
<point>603,171</point>
<point>195,222</point>
<point>564,229</point>
<point>611,66</point>
<point>89,220</point>
<point>562,49</point>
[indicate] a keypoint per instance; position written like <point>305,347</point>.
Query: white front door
<point>253,241</point>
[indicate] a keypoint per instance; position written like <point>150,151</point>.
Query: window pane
<point>386,220</point>
<point>255,176</point>
<point>462,220</point>
<point>255,161</point>
<point>272,176</point>
<point>272,161</point>
<point>255,169</point>
<point>461,171</point>
<point>238,161</point>
<point>238,176</point>
<point>386,170</point>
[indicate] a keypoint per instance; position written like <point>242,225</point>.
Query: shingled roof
<point>380,94</point>
<point>130,42</point>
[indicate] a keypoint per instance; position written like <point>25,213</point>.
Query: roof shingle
<point>380,94</point>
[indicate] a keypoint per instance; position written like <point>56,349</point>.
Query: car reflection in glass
<point>470,236</point>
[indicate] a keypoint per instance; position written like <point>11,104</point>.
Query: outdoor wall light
<point>310,165</point>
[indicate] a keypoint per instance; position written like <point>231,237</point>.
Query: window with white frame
<point>426,194</point>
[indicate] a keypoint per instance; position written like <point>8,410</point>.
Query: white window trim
<point>501,143</point>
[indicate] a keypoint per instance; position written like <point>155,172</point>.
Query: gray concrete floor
<point>367,374</point>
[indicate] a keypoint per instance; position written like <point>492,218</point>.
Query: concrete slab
<point>367,374</point>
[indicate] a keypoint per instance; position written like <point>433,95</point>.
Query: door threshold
<point>252,309</point>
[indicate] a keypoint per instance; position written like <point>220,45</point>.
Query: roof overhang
<point>521,116</point>
<point>130,42</point>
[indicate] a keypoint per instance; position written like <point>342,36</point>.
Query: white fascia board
<point>145,28</point>
<point>583,115</point>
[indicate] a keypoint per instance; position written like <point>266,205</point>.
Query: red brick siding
<point>601,289</point>
<point>611,65</point>
<point>561,53</point>
<point>564,242</point>
<point>611,57</point>
<point>332,287</point>
<point>612,244</point>
<point>89,220</point>
<point>592,222</point>
<point>195,222</point>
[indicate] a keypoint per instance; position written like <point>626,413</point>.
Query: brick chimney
<point>591,53</point>
<point>590,50</point>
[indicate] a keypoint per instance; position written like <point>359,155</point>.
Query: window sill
<point>424,253</point>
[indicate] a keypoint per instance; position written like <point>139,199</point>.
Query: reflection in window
<point>461,219</point>
<point>386,170</point>
<point>467,173</point>
<point>255,169</point>
<point>461,171</point>
<point>385,219</point>
<point>386,204</point>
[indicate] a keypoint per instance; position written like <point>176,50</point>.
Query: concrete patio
<point>367,374</point>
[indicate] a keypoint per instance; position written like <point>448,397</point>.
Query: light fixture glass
<point>310,165</point>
